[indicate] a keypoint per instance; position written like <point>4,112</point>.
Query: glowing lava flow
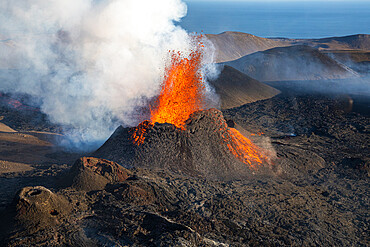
<point>245,150</point>
<point>139,132</point>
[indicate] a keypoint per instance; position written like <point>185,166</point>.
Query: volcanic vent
<point>180,135</point>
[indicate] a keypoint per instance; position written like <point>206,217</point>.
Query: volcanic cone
<point>205,146</point>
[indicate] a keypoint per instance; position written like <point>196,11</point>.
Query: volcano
<point>181,135</point>
<point>180,190</point>
<point>207,145</point>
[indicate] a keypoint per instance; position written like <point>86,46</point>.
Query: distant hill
<point>291,63</point>
<point>236,89</point>
<point>352,42</point>
<point>357,60</point>
<point>233,45</point>
<point>350,55</point>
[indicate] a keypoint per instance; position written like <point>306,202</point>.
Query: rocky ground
<point>317,192</point>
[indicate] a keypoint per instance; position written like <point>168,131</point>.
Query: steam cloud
<point>89,63</point>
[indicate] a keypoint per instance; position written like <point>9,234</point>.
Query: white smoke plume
<point>90,63</point>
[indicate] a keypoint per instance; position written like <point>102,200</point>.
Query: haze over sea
<point>302,19</point>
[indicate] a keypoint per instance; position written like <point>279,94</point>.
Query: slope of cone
<point>205,147</point>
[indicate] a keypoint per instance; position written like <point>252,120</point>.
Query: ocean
<point>279,19</point>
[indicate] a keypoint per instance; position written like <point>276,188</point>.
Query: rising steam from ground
<point>89,63</point>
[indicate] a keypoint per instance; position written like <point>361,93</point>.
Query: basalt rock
<point>90,173</point>
<point>37,207</point>
<point>201,148</point>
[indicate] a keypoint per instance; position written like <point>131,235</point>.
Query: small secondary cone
<point>38,207</point>
<point>203,147</point>
<point>88,174</point>
<point>236,88</point>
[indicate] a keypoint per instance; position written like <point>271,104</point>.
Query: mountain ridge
<point>233,45</point>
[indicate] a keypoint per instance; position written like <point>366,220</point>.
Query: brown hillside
<point>233,45</point>
<point>236,89</point>
<point>291,63</point>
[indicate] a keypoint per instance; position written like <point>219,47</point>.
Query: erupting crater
<point>205,145</point>
<point>181,135</point>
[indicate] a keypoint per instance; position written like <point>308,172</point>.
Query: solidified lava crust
<point>206,146</point>
<point>317,196</point>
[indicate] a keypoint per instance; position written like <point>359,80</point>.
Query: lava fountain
<point>182,90</point>
<point>182,94</point>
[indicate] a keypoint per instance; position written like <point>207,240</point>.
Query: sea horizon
<point>282,19</point>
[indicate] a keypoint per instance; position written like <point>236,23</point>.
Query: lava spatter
<point>182,90</point>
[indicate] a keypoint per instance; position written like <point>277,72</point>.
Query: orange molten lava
<point>245,150</point>
<point>138,133</point>
<point>182,90</point>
